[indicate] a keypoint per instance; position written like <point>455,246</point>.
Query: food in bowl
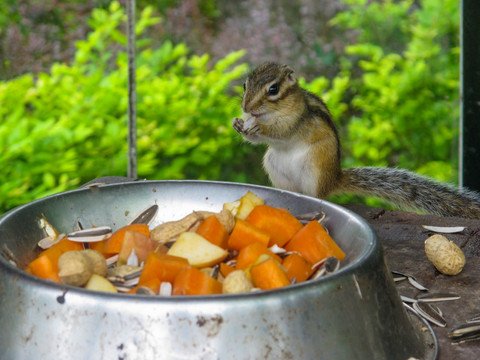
<point>248,246</point>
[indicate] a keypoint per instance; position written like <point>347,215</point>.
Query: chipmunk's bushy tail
<point>411,191</point>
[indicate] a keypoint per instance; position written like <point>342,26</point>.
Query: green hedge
<point>61,129</point>
<point>403,90</point>
<point>395,100</point>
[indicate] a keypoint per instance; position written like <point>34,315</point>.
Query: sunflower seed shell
<point>434,297</point>
<point>444,229</point>
<point>91,235</point>
<point>416,284</point>
<point>146,216</point>
<point>430,314</point>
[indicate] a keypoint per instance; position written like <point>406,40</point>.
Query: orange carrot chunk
<point>213,230</point>
<point>225,269</point>
<point>153,284</point>
<point>192,281</point>
<point>314,244</point>
<point>45,267</point>
<point>297,267</point>
<point>162,267</point>
<point>98,246</point>
<point>278,223</point>
<point>244,234</point>
<point>114,243</point>
<point>250,253</point>
<point>269,274</point>
<point>65,245</point>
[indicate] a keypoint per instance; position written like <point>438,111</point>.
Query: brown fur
<point>304,150</point>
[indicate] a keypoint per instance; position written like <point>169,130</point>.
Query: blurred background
<point>388,70</point>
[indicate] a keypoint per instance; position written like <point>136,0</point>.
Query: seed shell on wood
<point>464,333</point>
<point>437,309</point>
<point>475,318</point>
<point>416,284</point>
<point>474,336</point>
<point>464,329</point>
<point>434,297</point>
<point>406,299</point>
<point>430,313</point>
<point>91,235</point>
<point>398,276</point>
<point>444,229</point>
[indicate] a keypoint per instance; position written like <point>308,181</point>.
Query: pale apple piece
<point>232,206</point>
<point>197,250</point>
<point>99,283</point>
<point>247,203</point>
<point>133,240</point>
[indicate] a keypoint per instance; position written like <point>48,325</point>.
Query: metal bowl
<point>355,313</point>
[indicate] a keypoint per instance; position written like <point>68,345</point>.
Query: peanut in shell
<point>444,254</point>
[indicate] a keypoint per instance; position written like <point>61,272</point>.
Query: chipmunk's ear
<point>290,78</point>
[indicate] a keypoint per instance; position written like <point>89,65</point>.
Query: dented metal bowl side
<point>352,314</point>
<point>353,317</point>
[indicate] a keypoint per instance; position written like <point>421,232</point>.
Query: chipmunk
<point>304,150</point>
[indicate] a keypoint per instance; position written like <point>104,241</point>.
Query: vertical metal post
<point>132,105</point>
<point>470,95</point>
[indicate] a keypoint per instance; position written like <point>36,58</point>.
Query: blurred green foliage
<point>404,107</point>
<point>403,90</point>
<point>395,99</point>
<point>61,129</point>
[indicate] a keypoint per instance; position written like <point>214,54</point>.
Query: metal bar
<point>132,106</point>
<point>470,95</point>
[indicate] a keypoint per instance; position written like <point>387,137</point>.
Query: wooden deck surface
<point>402,237</point>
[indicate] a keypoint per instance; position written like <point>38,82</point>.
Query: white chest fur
<point>290,168</point>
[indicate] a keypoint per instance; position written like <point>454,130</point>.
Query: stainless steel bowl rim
<point>345,270</point>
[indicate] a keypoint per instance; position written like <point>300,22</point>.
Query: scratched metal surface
<point>355,313</point>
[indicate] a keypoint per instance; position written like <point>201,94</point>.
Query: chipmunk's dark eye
<point>273,90</point>
<point>244,86</point>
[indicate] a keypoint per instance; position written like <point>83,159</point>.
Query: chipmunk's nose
<point>247,106</point>
<point>244,105</point>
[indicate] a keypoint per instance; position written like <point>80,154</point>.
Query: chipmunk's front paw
<point>245,127</point>
<point>237,124</point>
